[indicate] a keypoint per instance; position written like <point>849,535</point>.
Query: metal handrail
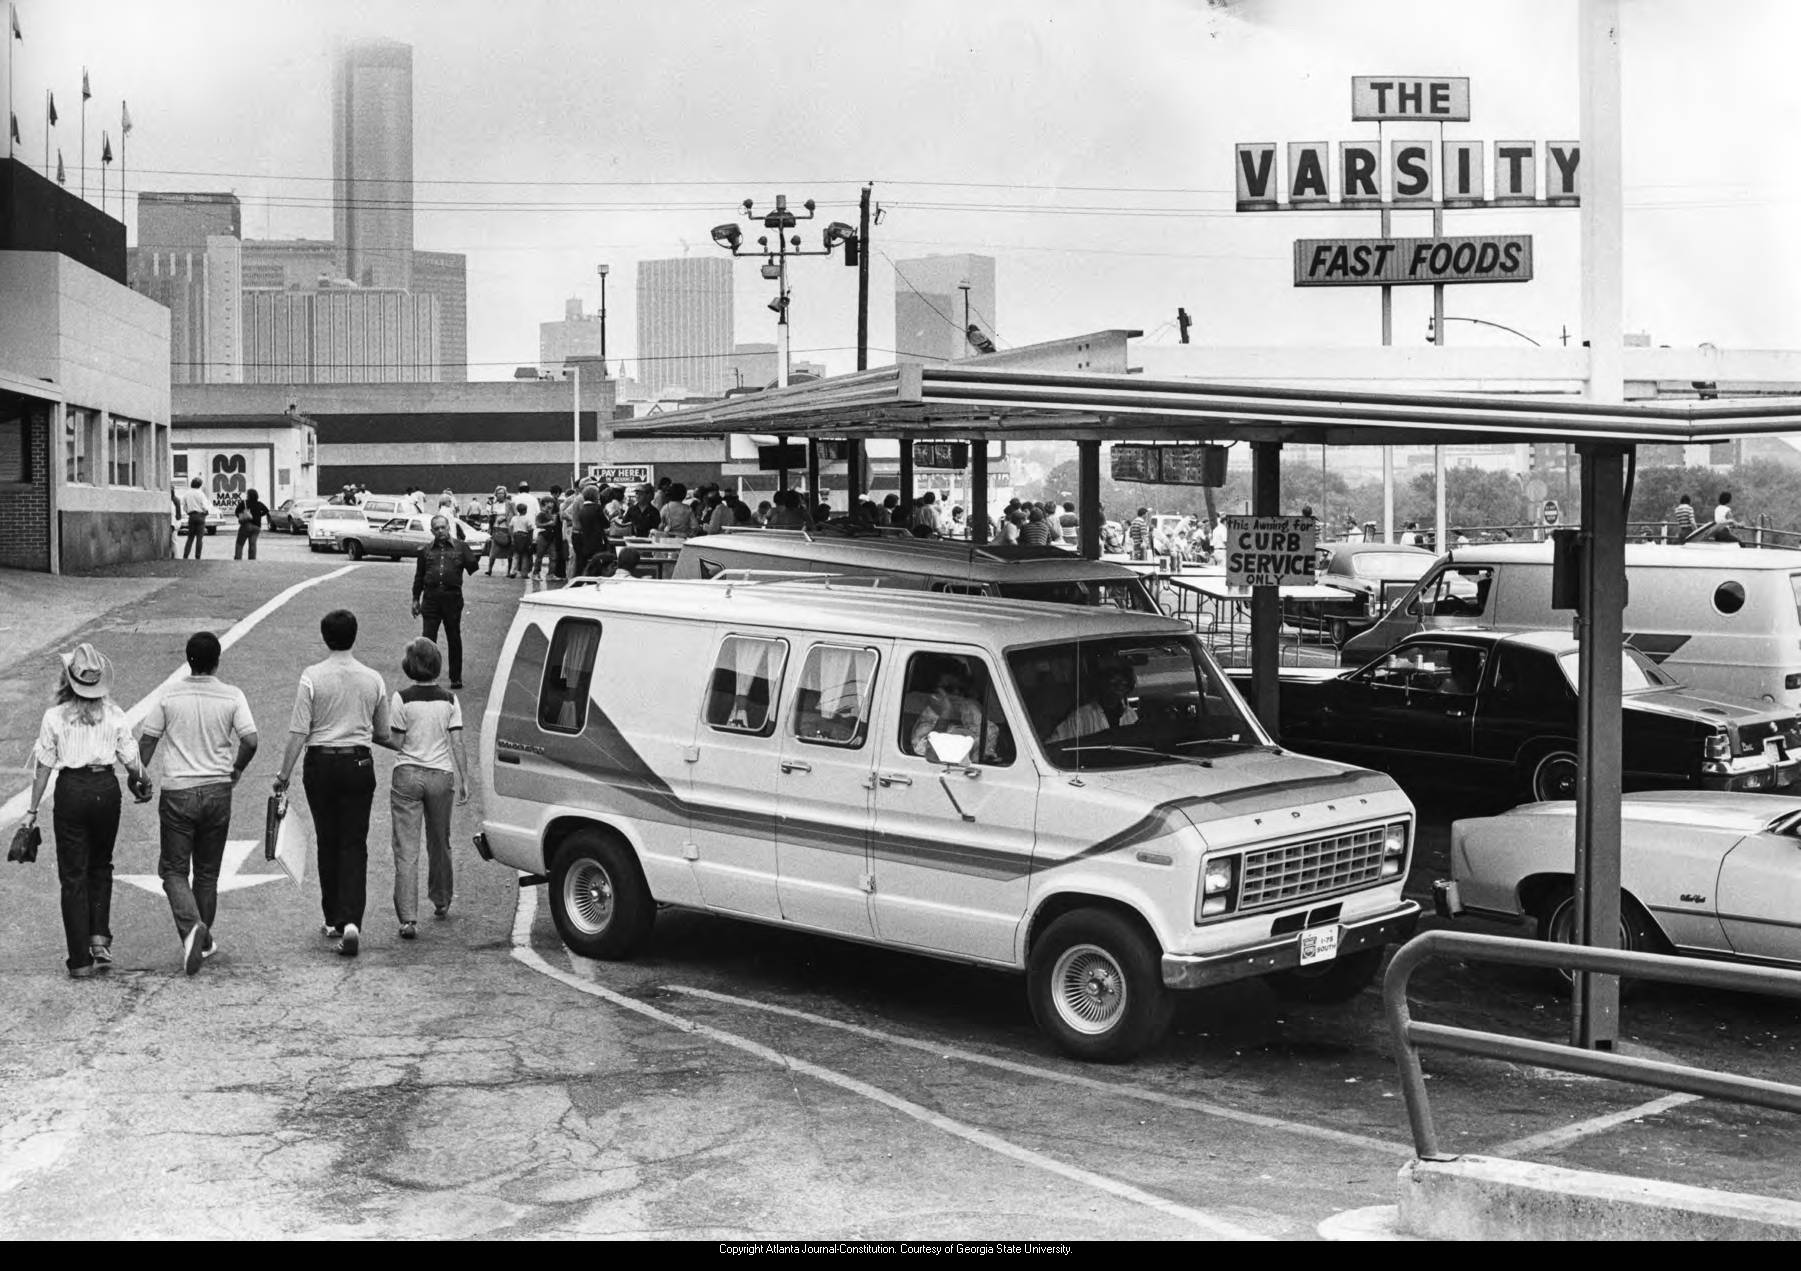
<point>1410,1036</point>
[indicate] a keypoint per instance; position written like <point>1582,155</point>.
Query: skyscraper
<point>446,276</point>
<point>929,323</point>
<point>372,161</point>
<point>577,335</point>
<point>685,324</point>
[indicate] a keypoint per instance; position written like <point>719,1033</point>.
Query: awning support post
<point>813,495</point>
<point>1600,628</point>
<point>906,477</point>
<point>977,515</point>
<point>1266,605</point>
<point>1088,497</point>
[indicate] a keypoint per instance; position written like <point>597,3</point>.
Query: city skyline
<point>1107,207</point>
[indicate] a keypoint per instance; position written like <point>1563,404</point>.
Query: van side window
<point>953,693</point>
<point>961,589</point>
<point>568,671</point>
<point>831,705</point>
<point>747,681</point>
<point>1459,592</point>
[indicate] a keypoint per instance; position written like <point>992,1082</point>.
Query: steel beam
<point>977,516</point>
<point>1088,497</point>
<point>1266,605</point>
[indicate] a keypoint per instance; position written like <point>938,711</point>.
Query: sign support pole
<point>1088,496</point>
<point>1440,530</point>
<point>1266,604</point>
<point>1388,338</point>
<point>978,489</point>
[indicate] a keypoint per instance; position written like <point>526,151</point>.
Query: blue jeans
<point>194,823</point>
<point>85,821</point>
<point>416,796</point>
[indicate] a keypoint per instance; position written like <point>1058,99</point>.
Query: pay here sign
<point>1270,551</point>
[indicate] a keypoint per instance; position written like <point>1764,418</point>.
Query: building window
<point>76,449</point>
<point>15,448</point>
<point>126,464</point>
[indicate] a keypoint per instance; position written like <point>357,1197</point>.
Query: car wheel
<point>1339,980</point>
<point>1096,987</point>
<point>1557,925</point>
<point>1553,776</point>
<point>353,549</point>
<point>598,898</point>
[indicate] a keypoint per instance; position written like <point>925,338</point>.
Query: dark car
<point>1496,711</point>
<point>291,516</point>
<point>1372,574</point>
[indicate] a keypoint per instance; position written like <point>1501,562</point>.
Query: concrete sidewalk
<point>38,610</point>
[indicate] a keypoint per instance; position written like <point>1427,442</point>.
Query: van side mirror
<point>949,748</point>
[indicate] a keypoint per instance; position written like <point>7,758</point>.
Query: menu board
<point>950,456</point>
<point>1136,463</point>
<point>1193,465</point>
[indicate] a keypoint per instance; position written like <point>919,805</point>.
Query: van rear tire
<point>598,898</point>
<point>1095,986</point>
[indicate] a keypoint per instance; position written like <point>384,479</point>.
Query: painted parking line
<point>584,982</point>
<point>14,808</point>
<point>1112,1088</point>
<point>1551,1140</point>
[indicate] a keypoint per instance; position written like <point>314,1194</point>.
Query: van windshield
<point>1128,701</point>
<point>1121,593</point>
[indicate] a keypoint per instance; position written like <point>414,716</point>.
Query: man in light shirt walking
<point>196,506</point>
<point>211,740</point>
<point>340,709</point>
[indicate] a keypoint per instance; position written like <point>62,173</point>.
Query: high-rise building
<point>184,219</point>
<point>201,286</point>
<point>929,322</point>
<point>372,161</point>
<point>343,335</point>
<point>577,335</point>
<point>685,324</point>
<point>446,276</point>
<point>291,264</point>
<point>752,365</point>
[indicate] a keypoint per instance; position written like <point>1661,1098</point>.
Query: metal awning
<point>959,402</point>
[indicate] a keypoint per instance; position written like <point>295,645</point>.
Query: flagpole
<point>124,132</point>
<point>49,105</point>
<point>12,24</point>
<point>84,132</point>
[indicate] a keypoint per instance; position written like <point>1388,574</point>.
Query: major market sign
<point>1270,551</point>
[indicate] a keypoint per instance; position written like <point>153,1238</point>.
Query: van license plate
<point>1319,944</point>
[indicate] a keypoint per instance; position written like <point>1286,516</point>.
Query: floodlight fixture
<point>728,236</point>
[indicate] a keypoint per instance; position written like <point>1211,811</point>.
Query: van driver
<point>949,710</point>
<point>1106,707</point>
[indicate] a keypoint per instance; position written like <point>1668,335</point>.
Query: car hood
<point>1244,784</point>
<point>1686,703</point>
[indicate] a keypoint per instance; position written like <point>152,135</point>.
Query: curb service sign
<point>1270,551</point>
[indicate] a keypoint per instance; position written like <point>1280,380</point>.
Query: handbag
<point>26,841</point>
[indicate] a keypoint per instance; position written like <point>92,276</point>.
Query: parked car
<point>328,522</point>
<point>214,519</point>
<point>1486,709</point>
<point>403,536</point>
<point>1373,575</point>
<point>291,517</point>
<point>1707,874</point>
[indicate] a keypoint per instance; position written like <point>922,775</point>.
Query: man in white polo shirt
<point>211,740</point>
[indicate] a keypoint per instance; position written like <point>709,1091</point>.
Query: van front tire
<point>1095,985</point>
<point>598,898</point>
<point>1339,980</point>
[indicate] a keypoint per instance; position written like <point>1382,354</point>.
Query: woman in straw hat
<point>81,739</point>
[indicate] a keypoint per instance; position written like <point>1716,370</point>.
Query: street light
<point>780,222</point>
<point>1432,330</point>
<point>602,271</point>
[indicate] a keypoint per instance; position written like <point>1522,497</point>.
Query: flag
<point>85,91</point>
<point>14,10</point>
<point>124,122</point>
<point>106,147</point>
<point>53,110</point>
<point>61,177</point>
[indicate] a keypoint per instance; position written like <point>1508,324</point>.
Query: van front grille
<point>1282,875</point>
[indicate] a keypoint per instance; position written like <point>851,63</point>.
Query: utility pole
<point>853,450</point>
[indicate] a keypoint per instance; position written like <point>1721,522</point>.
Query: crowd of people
<point>203,729</point>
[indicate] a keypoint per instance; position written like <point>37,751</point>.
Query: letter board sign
<point>623,473</point>
<point>1270,551</point>
<point>1388,262</point>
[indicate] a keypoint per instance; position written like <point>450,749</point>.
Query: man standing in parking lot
<point>438,590</point>
<point>196,507</point>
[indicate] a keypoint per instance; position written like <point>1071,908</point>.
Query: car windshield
<point>1638,673</point>
<point>1128,701</point>
<point>1121,593</point>
<point>1398,566</point>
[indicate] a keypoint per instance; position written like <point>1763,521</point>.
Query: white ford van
<point>1019,572</point>
<point>1076,793</point>
<point>1718,618</point>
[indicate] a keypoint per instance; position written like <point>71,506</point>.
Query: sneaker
<point>440,911</point>
<point>348,945</point>
<point>193,949</point>
<point>409,931</point>
<point>456,684</point>
<point>82,972</point>
<point>331,933</point>
<point>102,955</point>
<point>212,947</point>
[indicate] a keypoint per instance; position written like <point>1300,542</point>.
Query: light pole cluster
<point>781,222</point>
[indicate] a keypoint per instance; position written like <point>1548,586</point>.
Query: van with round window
<point>1075,793</point>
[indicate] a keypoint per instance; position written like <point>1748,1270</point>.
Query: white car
<point>330,523</point>
<point>1705,873</point>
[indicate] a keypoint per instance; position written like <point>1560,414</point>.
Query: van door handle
<point>503,757</point>
<point>895,779</point>
<point>796,765</point>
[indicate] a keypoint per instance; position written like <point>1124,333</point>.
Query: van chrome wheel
<point>1089,989</point>
<point>588,897</point>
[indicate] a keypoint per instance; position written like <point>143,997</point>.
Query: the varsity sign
<point>1392,262</point>
<point>1467,174</point>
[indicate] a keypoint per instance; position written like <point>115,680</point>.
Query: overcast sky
<point>1086,146</point>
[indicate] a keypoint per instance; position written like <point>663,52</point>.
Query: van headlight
<point>1394,849</point>
<point>1219,886</point>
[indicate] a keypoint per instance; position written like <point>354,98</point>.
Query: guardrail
<point>1411,1036</point>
